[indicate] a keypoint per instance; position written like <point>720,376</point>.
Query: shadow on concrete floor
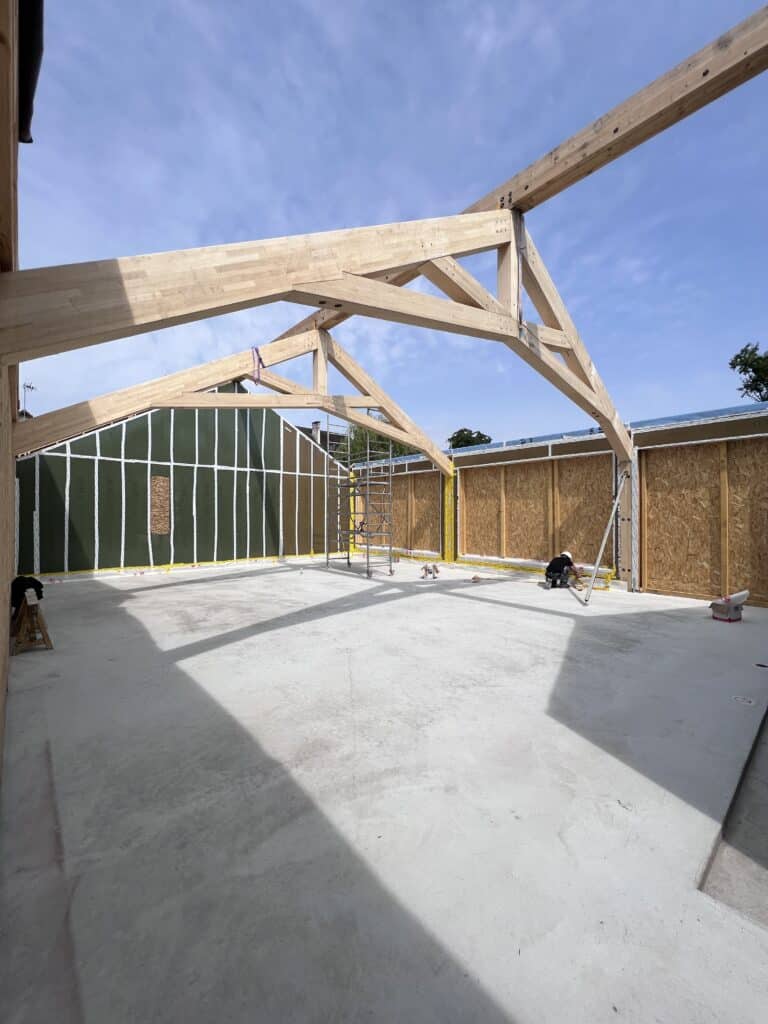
<point>205,884</point>
<point>633,721</point>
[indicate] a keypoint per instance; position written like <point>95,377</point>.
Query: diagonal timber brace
<point>188,389</point>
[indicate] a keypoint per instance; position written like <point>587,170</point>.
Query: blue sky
<point>187,123</point>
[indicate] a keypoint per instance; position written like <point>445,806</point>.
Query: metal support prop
<point>624,476</point>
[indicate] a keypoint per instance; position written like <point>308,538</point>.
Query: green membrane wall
<point>172,487</point>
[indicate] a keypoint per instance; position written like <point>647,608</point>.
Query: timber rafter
<point>362,271</point>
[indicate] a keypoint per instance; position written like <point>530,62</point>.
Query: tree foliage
<point>379,446</point>
<point>752,366</point>
<point>465,438</point>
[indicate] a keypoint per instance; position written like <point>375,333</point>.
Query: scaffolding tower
<point>359,498</point>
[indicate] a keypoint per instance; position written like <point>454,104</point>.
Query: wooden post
<point>320,365</point>
<point>410,516</point>
<point>642,458</point>
<point>725,574</point>
<point>9,145</point>
<point>509,283</point>
<point>462,516</point>
<point>624,568</point>
<point>554,526</point>
<point>503,513</point>
<point>449,517</point>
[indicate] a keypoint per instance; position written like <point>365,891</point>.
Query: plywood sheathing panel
<point>510,455</point>
<point>400,486</point>
<point>425,528</point>
<point>585,488</point>
<point>682,488</point>
<point>160,505</point>
<point>748,517</point>
<point>527,510</point>
<point>481,514</point>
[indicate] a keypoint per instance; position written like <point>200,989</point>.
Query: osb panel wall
<point>425,524</point>
<point>748,517</point>
<point>480,512</point>
<point>527,510</point>
<point>400,512</point>
<point>160,505</point>
<point>585,496</point>
<point>682,518</point>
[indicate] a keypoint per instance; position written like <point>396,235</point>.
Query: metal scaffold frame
<point>359,505</point>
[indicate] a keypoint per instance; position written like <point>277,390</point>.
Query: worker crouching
<point>560,570</point>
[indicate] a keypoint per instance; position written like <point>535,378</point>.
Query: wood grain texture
<point>482,511</point>
<point>527,488</point>
<point>400,528</point>
<point>9,138</point>
<point>733,58</point>
<point>425,529</point>
<point>585,492</point>
<point>160,505</point>
<point>357,294</point>
<point>748,517</point>
<point>458,284</point>
<point>9,134</point>
<point>56,309</point>
<point>683,515</point>
<point>244,400</point>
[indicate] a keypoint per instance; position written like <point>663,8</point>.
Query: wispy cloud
<point>185,124</point>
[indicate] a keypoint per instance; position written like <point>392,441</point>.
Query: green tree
<point>358,444</point>
<point>752,366</point>
<point>465,438</point>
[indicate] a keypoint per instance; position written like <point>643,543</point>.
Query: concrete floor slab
<point>287,794</point>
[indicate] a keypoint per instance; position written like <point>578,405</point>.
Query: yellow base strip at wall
<point>171,566</point>
<point>484,563</point>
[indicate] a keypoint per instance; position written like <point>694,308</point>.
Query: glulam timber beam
<point>736,56</point>
<point>551,337</point>
<point>9,139</point>
<point>371,298</point>
<point>349,368</point>
<point>458,284</point>
<point>62,424</point>
<point>228,400</point>
<point>57,309</point>
<point>381,301</point>
<point>9,134</point>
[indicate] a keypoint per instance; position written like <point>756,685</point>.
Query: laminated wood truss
<point>363,271</point>
<point>343,273</point>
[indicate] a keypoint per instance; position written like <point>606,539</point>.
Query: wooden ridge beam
<point>56,309</point>
<point>732,59</point>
